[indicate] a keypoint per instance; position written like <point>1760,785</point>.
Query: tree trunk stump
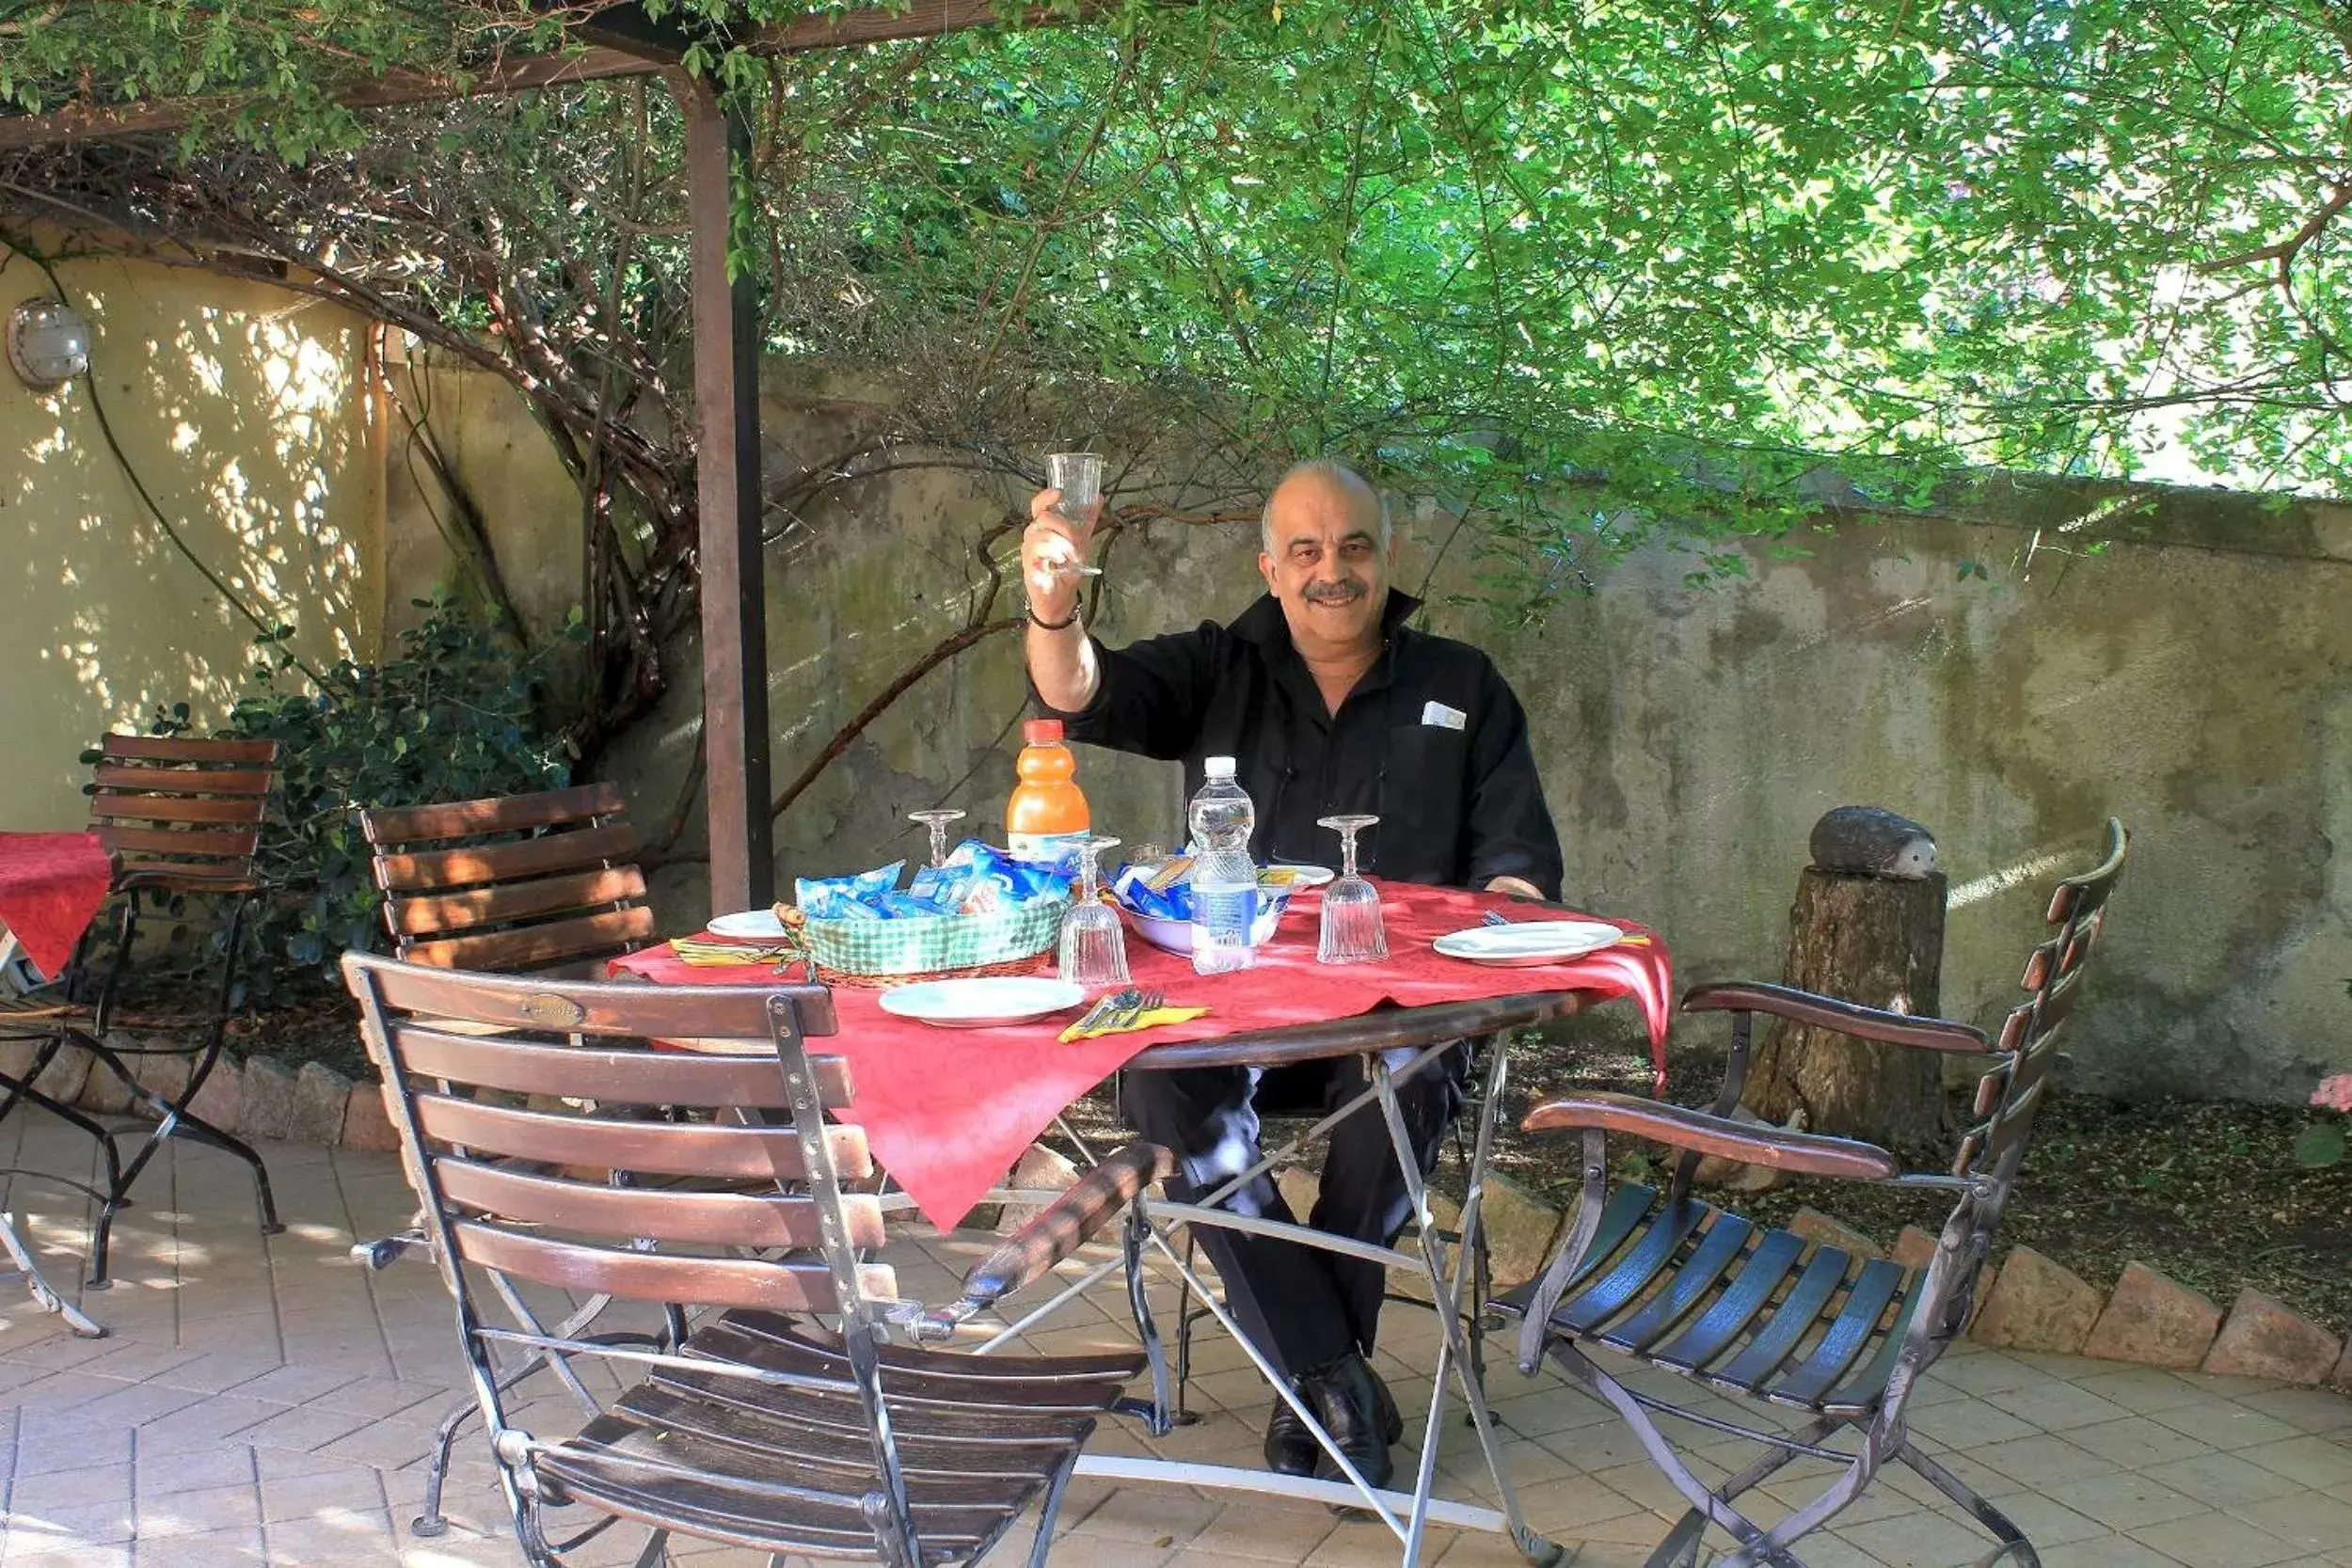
<point>1878,941</point>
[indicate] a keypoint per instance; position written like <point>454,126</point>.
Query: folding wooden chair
<point>541,882</point>
<point>1674,1282</point>
<point>513,884</point>
<point>787,1423</point>
<point>183,818</point>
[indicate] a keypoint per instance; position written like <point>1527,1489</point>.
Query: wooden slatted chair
<point>183,818</point>
<point>539,882</point>
<point>786,1423</point>
<point>518,883</point>
<point>1674,1282</point>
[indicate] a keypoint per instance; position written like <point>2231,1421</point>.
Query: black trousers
<point>1302,1305</point>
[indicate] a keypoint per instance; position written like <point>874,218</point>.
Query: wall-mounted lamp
<point>48,344</point>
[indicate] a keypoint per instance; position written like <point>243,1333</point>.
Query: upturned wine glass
<point>1093,951</point>
<point>1353,932</point>
<point>936,819</point>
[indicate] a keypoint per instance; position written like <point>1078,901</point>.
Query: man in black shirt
<point>1330,704</point>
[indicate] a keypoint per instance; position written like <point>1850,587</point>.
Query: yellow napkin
<point>719,954</point>
<point>1156,1018</point>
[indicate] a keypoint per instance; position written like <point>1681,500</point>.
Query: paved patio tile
<point>221,1549</point>
<point>2219,1480</point>
<point>2126,1501</point>
<point>2137,1441</point>
<point>237,1506</point>
<point>159,1475</point>
<point>2046,1461</point>
<point>268,1402</point>
<point>2108,1551</point>
<point>2054,1405</point>
<point>2216,1541</point>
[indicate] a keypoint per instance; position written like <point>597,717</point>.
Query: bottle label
<point>1222,917</point>
<point>1046,848</point>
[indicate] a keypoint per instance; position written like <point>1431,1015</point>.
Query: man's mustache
<point>1333,593</point>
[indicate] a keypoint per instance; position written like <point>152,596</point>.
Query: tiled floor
<point>273,1402</point>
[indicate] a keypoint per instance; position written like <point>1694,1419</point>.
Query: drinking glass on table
<point>936,819</point>
<point>1093,952</point>
<point>1078,475</point>
<point>1353,932</point>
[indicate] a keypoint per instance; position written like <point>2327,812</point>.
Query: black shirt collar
<point>1264,625</point>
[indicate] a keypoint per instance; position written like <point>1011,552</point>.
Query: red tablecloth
<point>52,886</point>
<point>948,1110</point>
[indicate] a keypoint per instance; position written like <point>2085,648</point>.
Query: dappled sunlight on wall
<point>247,413</point>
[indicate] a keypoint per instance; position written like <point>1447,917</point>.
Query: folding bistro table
<point>948,1112</point>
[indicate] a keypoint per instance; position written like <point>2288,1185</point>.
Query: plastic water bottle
<point>1224,878</point>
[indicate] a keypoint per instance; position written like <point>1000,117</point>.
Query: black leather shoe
<point>1348,1397</point>
<point>1291,1449</point>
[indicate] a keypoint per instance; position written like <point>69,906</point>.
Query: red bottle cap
<point>1042,732</point>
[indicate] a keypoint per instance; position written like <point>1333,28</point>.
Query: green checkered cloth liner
<point>920,946</point>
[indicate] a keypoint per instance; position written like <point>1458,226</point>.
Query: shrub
<point>452,718</point>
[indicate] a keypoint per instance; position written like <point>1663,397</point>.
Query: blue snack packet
<point>1132,888</point>
<point>908,906</point>
<point>845,897</point>
<point>981,879</point>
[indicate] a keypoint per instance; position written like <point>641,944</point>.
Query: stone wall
<point>2190,678</point>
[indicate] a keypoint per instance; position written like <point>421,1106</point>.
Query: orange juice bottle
<point>1046,817</point>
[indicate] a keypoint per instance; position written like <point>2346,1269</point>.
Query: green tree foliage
<point>1606,269</point>
<point>1998,232</point>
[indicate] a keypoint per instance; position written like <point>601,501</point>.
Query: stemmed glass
<point>1093,951</point>
<point>936,819</point>
<point>1353,932</point>
<point>1078,475</point>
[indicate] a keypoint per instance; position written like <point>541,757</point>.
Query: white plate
<point>984,1002</point>
<point>1530,941</point>
<point>750,926</point>
<point>1304,876</point>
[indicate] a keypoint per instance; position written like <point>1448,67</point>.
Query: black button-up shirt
<point>1431,740</point>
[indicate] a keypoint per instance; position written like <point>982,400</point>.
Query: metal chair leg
<point>174,1120</point>
<point>2013,1545</point>
<point>1051,1511</point>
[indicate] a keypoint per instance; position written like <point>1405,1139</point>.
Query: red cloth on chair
<point>52,886</point>
<point>948,1110</point>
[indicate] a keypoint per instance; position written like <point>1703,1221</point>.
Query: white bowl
<point>1175,935</point>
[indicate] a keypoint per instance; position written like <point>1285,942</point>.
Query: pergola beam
<point>622,40</point>
<point>520,73</point>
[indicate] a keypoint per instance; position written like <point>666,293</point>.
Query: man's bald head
<point>1324,484</point>
<point>1325,533</point>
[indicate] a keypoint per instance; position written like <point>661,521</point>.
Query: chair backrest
<point>517,883</point>
<point>2010,1091</point>
<point>181,814</point>
<point>508,1136</point>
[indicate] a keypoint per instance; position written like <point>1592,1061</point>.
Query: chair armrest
<point>1798,1154</point>
<point>1065,1224</point>
<point>1845,1018</point>
<point>184,880</point>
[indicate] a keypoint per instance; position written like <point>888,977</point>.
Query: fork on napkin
<point>717,954</point>
<point>1123,1011</point>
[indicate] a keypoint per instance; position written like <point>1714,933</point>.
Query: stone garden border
<point>2025,1301</point>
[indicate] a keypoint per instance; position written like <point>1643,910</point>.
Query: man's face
<point>1326,562</point>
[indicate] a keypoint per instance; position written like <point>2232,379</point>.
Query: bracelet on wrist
<point>1063,625</point>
